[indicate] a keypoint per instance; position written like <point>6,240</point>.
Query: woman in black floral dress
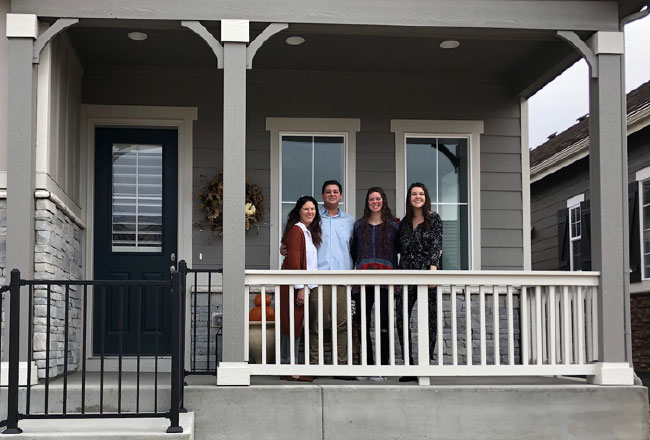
<point>420,243</point>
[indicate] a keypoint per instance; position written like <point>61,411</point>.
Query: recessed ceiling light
<point>137,36</point>
<point>295,41</point>
<point>449,44</point>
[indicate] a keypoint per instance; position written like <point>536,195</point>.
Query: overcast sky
<point>557,106</point>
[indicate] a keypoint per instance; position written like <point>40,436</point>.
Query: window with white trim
<point>305,152</point>
<point>308,160</point>
<point>445,156</point>
<point>645,228</point>
<point>575,232</point>
<point>442,164</point>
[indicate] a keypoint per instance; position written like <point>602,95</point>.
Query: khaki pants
<point>341,325</point>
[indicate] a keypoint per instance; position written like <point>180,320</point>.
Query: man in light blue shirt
<point>333,254</point>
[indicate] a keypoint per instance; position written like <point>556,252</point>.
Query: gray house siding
<point>343,95</point>
<point>551,193</point>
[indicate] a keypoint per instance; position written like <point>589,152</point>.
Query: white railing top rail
<point>411,277</point>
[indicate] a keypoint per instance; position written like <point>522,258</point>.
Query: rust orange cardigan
<point>296,259</point>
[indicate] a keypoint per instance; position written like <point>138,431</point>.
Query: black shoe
<point>408,379</point>
<point>344,377</point>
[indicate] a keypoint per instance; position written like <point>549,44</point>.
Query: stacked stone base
<point>57,256</point>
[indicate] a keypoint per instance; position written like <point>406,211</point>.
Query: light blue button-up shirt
<point>334,251</point>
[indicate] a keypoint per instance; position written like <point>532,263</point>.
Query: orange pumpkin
<point>256,314</point>
<point>258,299</point>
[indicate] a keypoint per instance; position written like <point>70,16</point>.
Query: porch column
<point>609,219</point>
<point>234,36</point>
<point>21,31</point>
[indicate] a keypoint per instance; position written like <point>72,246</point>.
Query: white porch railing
<point>488,323</point>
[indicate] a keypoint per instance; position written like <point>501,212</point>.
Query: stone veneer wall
<point>202,314</point>
<point>640,317</point>
<point>57,255</point>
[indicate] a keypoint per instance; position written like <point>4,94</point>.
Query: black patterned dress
<point>420,248</point>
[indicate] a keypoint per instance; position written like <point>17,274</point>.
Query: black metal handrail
<point>212,358</point>
<point>80,291</point>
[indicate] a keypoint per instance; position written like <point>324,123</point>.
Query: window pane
<point>296,167</point>
<point>328,161</point>
<point>455,243</point>
<point>421,164</point>
<point>452,170</point>
<point>646,265</point>
<point>137,198</point>
<point>646,192</point>
<point>576,256</point>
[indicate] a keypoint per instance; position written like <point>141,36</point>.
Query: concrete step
<point>105,429</point>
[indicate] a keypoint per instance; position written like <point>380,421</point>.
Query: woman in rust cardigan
<point>301,237</point>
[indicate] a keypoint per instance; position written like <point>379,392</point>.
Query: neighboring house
<point>113,114</point>
<point>561,214</point>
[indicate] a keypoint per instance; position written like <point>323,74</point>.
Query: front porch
<point>502,358</point>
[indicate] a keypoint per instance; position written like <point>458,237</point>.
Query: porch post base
<point>424,380</point>
<point>233,373</point>
<point>613,373</point>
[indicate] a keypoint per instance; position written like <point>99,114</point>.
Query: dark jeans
<point>383,322</point>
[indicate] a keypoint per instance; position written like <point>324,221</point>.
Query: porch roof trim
<point>499,14</point>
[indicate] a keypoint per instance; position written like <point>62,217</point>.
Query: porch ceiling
<point>512,57</point>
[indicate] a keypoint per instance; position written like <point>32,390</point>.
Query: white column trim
<point>613,373</point>
<point>470,129</point>
<point>347,127</point>
<point>525,186</point>
<point>22,26</point>
<point>612,43</point>
<point>235,31</point>
<point>181,118</point>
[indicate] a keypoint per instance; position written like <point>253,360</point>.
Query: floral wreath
<point>210,197</point>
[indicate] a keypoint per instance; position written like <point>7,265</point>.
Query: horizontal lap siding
<point>551,193</point>
<point>547,197</point>
<point>501,198</point>
<point>320,95</point>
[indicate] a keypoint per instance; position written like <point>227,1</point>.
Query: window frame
<point>642,176</point>
<point>279,127</point>
<point>470,130</point>
<point>571,204</point>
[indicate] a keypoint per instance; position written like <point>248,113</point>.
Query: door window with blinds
<point>442,164</point>
<point>307,162</point>
<point>137,198</point>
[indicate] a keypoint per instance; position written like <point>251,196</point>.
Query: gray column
<point>20,172</point>
<point>609,209</point>
<point>234,192</point>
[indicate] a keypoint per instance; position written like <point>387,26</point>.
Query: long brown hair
<point>426,209</point>
<point>386,217</point>
<point>294,217</point>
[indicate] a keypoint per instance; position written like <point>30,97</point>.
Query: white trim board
<point>181,118</point>
<point>347,127</point>
<point>575,200</point>
<point>472,130</point>
<point>525,187</point>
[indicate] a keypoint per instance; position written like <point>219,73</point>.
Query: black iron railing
<point>63,356</point>
<point>204,330</point>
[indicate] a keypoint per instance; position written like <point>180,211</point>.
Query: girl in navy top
<point>374,247</point>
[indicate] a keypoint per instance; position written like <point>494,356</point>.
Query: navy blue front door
<point>135,232</point>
